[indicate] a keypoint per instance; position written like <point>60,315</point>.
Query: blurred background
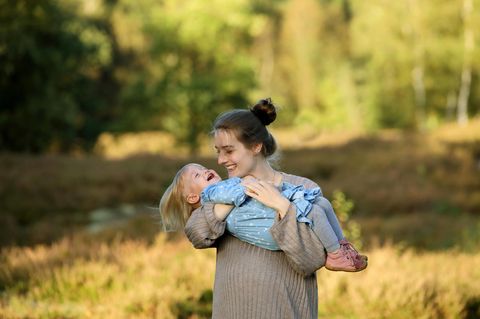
<point>102,101</point>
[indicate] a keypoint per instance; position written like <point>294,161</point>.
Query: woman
<point>251,282</point>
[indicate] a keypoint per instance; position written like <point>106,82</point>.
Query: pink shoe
<point>343,260</point>
<point>352,249</point>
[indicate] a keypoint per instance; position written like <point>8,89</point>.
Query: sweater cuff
<point>217,226</point>
<point>299,243</point>
<point>278,223</point>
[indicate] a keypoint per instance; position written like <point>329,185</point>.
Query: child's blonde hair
<point>174,209</point>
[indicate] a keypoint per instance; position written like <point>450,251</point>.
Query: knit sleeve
<point>305,252</point>
<point>203,228</point>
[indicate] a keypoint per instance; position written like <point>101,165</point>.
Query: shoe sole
<point>346,270</point>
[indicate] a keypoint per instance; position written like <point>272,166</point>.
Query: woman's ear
<point>193,199</point>
<point>257,148</point>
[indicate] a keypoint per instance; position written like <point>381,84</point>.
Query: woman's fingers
<point>251,193</point>
<point>268,195</point>
<point>261,188</point>
<point>266,185</point>
<point>254,186</point>
<point>264,190</point>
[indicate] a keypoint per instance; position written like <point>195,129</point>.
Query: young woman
<point>252,282</point>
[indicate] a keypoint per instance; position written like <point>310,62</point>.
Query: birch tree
<point>466,80</point>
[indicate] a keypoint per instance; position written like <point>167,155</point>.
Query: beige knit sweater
<point>252,282</point>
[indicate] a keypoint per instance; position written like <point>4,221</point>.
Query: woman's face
<point>233,155</point>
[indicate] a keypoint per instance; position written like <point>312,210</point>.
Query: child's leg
<point>342,256</point>
<point>323,230</point>
<point>332,218</point>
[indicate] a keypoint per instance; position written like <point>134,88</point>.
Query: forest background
<point>101,101</point>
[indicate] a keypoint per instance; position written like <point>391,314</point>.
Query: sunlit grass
<point>293,138</point>
<point>78,278</point>
<point>405,284</point>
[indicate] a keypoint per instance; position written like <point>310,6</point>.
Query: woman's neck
<point>263,171</point>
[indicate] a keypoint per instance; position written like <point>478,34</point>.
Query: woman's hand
<point>267,194</point>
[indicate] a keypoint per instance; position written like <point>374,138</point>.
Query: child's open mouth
<point>210,176</point>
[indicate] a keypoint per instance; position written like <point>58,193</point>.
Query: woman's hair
<point>249,126</point>
<point>174,209</point>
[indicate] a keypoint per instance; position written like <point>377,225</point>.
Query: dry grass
<point>399,178</point>
<point>75,279</point>
<point>410,190</point>
<point>81,279</point>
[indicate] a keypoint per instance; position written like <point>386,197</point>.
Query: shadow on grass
<point>472,308</point>
<point>200,307</point>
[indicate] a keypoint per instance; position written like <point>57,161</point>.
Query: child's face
<point>197,178</point>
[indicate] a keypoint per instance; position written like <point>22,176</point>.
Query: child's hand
<point>268,195</point>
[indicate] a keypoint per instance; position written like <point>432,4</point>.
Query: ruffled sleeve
<point>229,191</point>
<point>302,198</point>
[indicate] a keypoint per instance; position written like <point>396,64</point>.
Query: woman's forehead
<point>225,138</point>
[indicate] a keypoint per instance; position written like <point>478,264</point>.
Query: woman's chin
<point>232,173</point>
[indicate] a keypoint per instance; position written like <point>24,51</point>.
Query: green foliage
<point>70,70</point>
<point>49,61</point>
<point>470,238</point>
<point>343,208</point>
<point>194,76</point>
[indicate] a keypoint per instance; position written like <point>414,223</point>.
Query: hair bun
<point>265,111</point>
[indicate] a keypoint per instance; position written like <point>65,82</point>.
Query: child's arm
<point>229,191</point>
<point>221,211</point>
<point>206,224</point>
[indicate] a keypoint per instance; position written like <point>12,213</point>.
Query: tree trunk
<point>418,76</point>
<point>464,93</point>
<point>420,96</point>
<point>450,106</point>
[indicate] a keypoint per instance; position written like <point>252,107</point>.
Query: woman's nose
<point>221,159</point>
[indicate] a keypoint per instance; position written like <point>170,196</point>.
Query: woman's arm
<point>206,224</point>
<point>304,250</point>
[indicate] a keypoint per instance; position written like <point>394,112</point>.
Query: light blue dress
<point>250,220</point>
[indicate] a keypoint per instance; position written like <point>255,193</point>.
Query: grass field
<point>416,196</point>
<point>169,279</point>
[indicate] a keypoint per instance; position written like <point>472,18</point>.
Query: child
<point>250,220</point>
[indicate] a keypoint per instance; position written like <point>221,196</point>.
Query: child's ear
<point>193,198</point>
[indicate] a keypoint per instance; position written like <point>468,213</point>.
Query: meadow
<point>169,279</point>
<point>416,199</point>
